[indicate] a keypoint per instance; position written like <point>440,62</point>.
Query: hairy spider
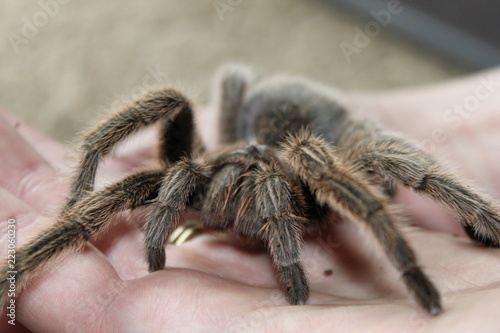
<point>275,176</point>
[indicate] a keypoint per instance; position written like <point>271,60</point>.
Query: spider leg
<point>74,227</point>
<point>233,81</point>
<point>341,189</point>
<point>395,158</point>
<point>179,137</point>
<point>226,193</point>
<point>153,106</point>
<point>269,209</point>
<point>250,195</point>
<point>218,210</point>
<point>178,187</point>
<point>281,230</point>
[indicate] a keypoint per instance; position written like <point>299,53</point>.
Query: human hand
<point>211,285</point>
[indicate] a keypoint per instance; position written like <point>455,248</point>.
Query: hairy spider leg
<point>250,195</point>
<point>164,104</point>
<point>75,226</point>
<point>395,158</point>
<point>337,186</point>
<point>232,81</point>
<point>282,230</point>
<point>178,187</point>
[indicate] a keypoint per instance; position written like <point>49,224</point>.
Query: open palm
<point>212,285</point>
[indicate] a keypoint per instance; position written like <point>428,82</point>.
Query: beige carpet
<point>62,62</point>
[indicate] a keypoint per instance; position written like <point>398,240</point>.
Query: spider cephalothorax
<point>276,171</point>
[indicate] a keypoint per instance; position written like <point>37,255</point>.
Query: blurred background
<point>63,62</point>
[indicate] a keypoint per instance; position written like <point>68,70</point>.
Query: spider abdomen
<point>281,107</point>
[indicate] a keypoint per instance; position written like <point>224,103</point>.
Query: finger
<point>27,224</point>
<point>70,294</point>
<point>6,327</point>
<point>88,271</point>
<point>27,175</point>
<point>84,294</point>
<point>18,224</point>
<point>138,152</point>
<point>55,153</point>
<point>463,314</point>
<point>186,298</point>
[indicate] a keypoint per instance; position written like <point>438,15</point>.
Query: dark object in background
<point>468,32</point>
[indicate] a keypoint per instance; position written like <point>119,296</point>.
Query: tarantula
<point>289,155</point>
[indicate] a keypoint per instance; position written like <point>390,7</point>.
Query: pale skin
<point>211,285</point>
